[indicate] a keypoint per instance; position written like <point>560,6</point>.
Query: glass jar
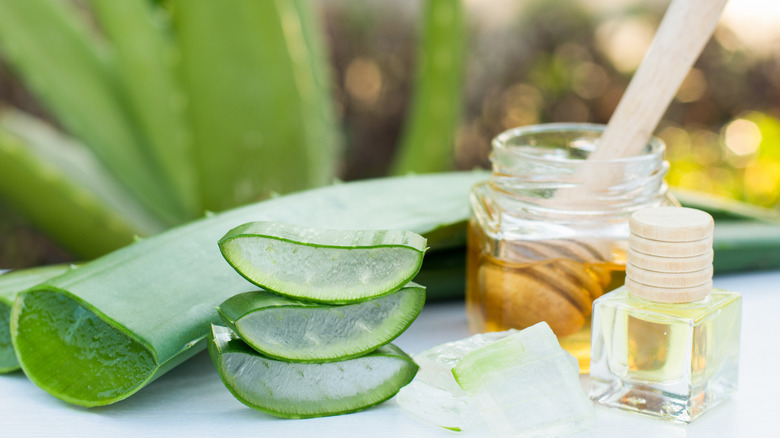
<point>549,230</point>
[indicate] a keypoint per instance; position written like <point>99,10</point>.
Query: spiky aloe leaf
<point>101,332</point>
<point>256,88</point>
<point>51,47</point>
<point>428,143</point>
<point>59,186</point>
<point>140,35</point>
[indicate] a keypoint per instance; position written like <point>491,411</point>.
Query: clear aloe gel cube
<point>526,385</point>
<point>517,383</point>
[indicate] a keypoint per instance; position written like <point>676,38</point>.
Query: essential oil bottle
<point>666,344</point>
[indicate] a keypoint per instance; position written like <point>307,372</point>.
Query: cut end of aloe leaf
<point>333,266</point>
<point>8,360</point>
<point>292,330</point>
<point>74,354</point>
<point>306,390</point>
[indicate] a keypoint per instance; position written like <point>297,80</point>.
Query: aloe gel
<point>293,330</point>
<point>330,266</point>
<point>306,390</point>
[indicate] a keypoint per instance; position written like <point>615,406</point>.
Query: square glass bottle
<point>666,344</point>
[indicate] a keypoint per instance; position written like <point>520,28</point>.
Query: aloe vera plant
<point>428,143</point>
<point>292,330</point>
<point>91,337</point>
<point>306,390</point>
<point>11,283</point>
<point>330,266</point>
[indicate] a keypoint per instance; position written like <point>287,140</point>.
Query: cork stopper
<point>670,254</point>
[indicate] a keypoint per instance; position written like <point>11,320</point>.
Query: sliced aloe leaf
<point>287,329</point>
<point>156,297</point>
<point>11,283</point>
<point>305,390</point>
<point>331,266</point>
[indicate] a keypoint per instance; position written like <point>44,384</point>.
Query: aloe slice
<point>287,329</point>
<point>330,266</point>
<point>11,283</point>
<point>157,297</point>
<point>305,390</point>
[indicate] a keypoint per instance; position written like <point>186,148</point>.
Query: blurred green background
<point>123,118</point>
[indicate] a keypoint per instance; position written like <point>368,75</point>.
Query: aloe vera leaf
<point>12,283</point>
<point>306,390</point>
<point>428,140</point>
<point>68,69</point>
<point>159,294</point>
<point>725,209</point>
<point>745,245</point>
<point>327,266</point>
<point>145,52</point>
<point>286,329</point>
<point>444,274</point>
<point>254,94</point>
<point>42,172</point>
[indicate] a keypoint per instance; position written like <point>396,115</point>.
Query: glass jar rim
<point>655,146</point>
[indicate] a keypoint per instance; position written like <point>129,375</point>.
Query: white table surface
<point>191,400</point>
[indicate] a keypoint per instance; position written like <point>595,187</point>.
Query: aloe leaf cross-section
<point>306,390</point>
<point>11,283</point>
<point>328,266</point>
<point>287,329</point>
<point>99,333</point>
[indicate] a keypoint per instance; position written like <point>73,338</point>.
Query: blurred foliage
<point>525,63</point>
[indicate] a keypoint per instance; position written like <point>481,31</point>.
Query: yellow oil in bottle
<point>538,281</point>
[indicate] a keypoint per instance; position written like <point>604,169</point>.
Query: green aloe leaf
<point>42,171</point>
<point>287,329</point>
<point>11,283</point>
<point>67,68</point>
<point>428,142</point>
<point>329,266</point>
<point>257,89</point>
<point>306,390</point>
<point>101,332</point>
<point>140,35</point>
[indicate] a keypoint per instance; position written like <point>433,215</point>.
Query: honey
<point>504,293</point>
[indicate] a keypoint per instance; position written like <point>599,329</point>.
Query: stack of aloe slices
<point>315,342</point>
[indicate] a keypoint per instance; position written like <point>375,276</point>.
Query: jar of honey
<point>549,230</point>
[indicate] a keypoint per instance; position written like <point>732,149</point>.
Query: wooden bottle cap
<point>670,254</point>
<point>671,224</point>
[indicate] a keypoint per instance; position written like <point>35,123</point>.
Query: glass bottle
<point>548,234</point>
<point>666,344</point>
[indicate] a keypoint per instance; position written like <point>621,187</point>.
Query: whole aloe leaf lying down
<point>11,283</point>
<point>99,333</point>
